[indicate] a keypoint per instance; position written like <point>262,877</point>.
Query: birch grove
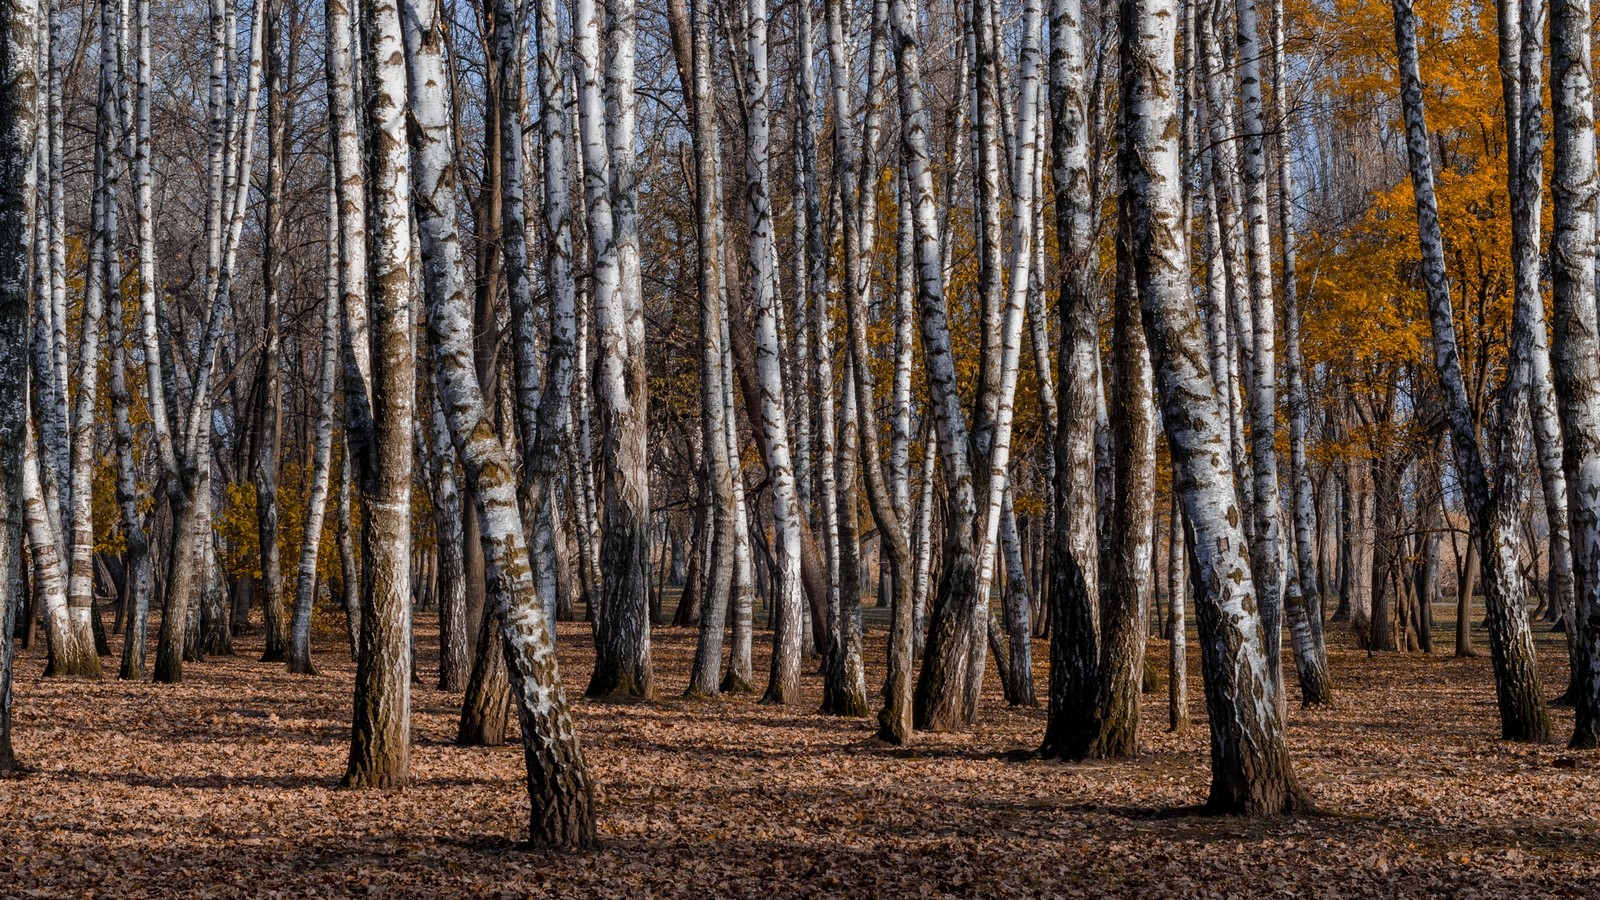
<point>921,352</point>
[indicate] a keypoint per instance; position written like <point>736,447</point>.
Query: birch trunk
<point>606,126</point>
<point>189,463</point>
<point>1251,771</point>
<point>349,168</point>
<point>81,658</point>
<point>380,741</point>
<point>555,402</point>
<point>1177,628</point>
<point>19,89</point>
<point>268,392</point>
<point>957,626</point>
<point>1491,508</point>
<point>1575,351</point>
<point>1127,595</point>
<point>718,581</point>
<point>1074,566</point>
<point>1266,549</point>
<point>305,593</point>
<point>559,785</point>
<point>136,557</point>
<point>784,683</point>
<point>1302,596</point>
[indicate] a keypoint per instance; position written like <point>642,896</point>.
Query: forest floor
<point>227,785</point>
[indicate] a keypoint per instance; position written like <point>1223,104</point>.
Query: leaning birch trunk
<point>784,683</point>
<point>1075,574</point>
<point>1250,768</point>
<point>1575,351</point>
<point>1491,508</point>
<point>941,697</point>
<point>559,783</point>
<point>305,591</point>
<point>559,787</point>
<point>19,89</point>
<point>1302,597</point>
<point>380,740</point>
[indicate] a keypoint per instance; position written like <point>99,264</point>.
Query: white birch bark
<point>1575,350</point>
<point>1075,587</point>
<point>784,683</point>
<point>606,115</point>
<point>1490,507</point>
<point>1301,594</point>
<point>1266,548</point>
<point>1251,772</point>
<point>79,530</point>
<point>19,91</point>
<point>349,173</point>
<point>55,427</point>
<point>717,580</point>
<point>305,591</point>
<point>956,625</point>
<point>380,736</point>
<point>558,782</point>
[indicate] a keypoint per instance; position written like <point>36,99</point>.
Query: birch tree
<point>1490,503</point>
<point>1575,351</point>
<point>380,740</point>
<point>558,781</point>
<point>783,685</point>
<point>1303,596</point>
<point>305,592</point>
<point>1251,772</point>
<point>269,381</point>
<point>19,91</point>
<point>1075,588</point>
<point>606,121</point>
<point>718,565</point>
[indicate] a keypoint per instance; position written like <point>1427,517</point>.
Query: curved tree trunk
<point>559,787</point>
<point>1250,768</point>
<point>1491,507</point>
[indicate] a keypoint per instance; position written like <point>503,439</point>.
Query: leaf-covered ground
<point>226,785</point>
